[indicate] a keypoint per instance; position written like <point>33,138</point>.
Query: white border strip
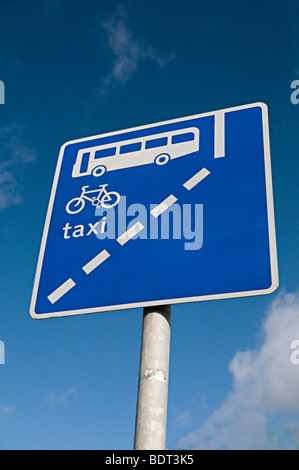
<point>270,201</point>
<point>129,234</point>
<point>96,261</point>
<point>164,205</point>
<point>219,135</point>
<point>60,291</point>
<point>197,178</point>
<point>149,303</point>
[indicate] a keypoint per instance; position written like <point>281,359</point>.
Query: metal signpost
<point>151,416</point>
<point>190,199</point>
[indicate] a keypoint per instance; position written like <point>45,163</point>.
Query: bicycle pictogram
<point>104,198</point>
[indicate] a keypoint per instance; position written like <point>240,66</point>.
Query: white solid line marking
<point>63,289</point>
<point>219,135</point>
<point>163,205</point>
<point>196,179</point>
<point>126,236</point>
<point>96,261</point>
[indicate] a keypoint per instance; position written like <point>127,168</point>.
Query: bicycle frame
<point>103,198</point>
<point>100,191</point>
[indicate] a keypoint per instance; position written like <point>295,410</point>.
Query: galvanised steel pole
<point>151,415</point>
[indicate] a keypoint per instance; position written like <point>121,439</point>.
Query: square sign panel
<point>171,212</point>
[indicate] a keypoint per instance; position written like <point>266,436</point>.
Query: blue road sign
<point>171,212</point>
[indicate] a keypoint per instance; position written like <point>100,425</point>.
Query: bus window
<point>178,139</point>
<point>84,162</point>
<point>151,144</point>
<point>108,152</point>
<point>130,148</point>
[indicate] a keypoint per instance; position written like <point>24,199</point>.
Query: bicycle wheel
<point>75,205</point>
<point>110,199</point>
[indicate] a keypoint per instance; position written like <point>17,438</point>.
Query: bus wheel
<point>162,159</point>
<point>99,170</point>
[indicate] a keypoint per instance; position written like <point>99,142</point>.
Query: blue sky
<point>74,69</point>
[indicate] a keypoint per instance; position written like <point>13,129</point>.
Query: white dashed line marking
<point>60,291</point>
<point>126,236</point>
<point>197,178</point>
<point>158,210</point>
<point>96,261</point>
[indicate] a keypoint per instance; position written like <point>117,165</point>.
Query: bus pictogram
<point>158,149</point>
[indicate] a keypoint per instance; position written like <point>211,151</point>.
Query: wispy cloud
<point>128,50</point>
<point>14,156</point>
<point>71,392</point>
<point>262,410</point>
<point>6,410</point>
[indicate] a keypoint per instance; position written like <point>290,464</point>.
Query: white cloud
<point>15,154</point>
<point>127,49</point>
<point>262,409</point>
<point>71,392</point>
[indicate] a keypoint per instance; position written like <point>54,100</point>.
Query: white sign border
<point>270,213</point>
